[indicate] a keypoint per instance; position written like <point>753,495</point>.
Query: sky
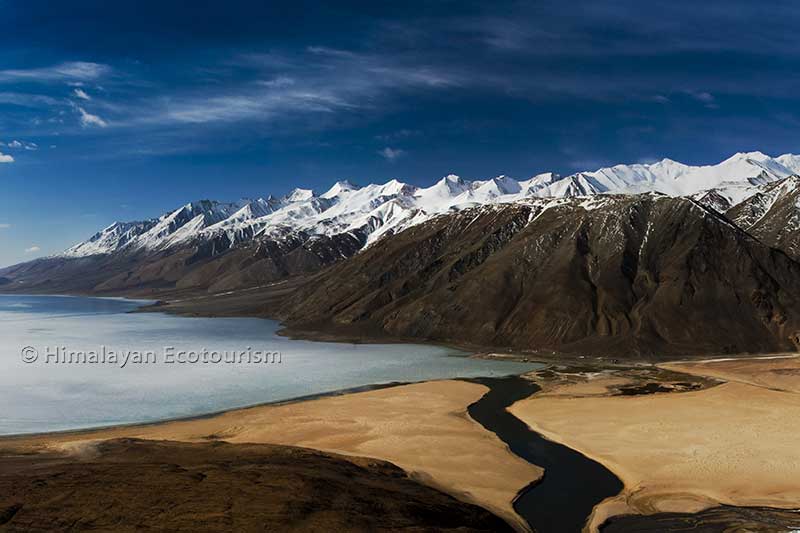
<point>124,110</point>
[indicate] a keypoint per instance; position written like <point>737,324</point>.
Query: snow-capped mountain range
<point>376,210</point>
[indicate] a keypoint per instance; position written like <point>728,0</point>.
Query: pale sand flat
<point>734,444</point>
<point>423,428</point>
<point>779,373</point>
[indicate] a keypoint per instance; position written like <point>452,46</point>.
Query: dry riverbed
<point>422,428</point>
<point>681,445</point>
<point>683,437</point>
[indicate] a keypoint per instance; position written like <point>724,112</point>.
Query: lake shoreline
<point>255,302</point>
<point>402,418</point>
<point>105,391</point>
<point>562,378</point>
<point>550,382</point>
<point>203,416</point>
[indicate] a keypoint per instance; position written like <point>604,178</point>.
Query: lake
<point>75,362</point>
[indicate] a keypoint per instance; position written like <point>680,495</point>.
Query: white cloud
<point>19,145</point>
<point>80,93</point>
<point>4,158</point>
<point>87,119</point>
<point>705,98</point>
<point>391,153</point>
<point>70,71</point>
<point>319,80</point>
<point>5,226</point>
<point>32,249</point>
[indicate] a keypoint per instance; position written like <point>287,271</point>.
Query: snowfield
<point>376,210</point>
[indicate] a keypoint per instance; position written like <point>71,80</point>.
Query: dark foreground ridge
<point>129,484</point>
<point>572,485</point>
<point>718,519</point>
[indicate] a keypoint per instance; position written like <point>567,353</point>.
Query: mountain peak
<point>451,183</point>
<point>744,156</point>
<point>338,188</point>
<point>299,195</point>
<point>396,187</point>
<point>790,161</point>
<point>347,207</point>
<point>500,185</point>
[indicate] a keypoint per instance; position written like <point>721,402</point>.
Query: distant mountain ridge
<point>376,210</point>
<point>597,262</point>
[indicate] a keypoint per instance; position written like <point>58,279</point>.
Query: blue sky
<point>123,110</point>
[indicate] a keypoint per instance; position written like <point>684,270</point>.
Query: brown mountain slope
<point>197,267</point>
<point>621,275</point>
<point>773,215</point>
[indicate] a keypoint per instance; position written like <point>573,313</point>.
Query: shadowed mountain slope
<point>616,275</point>
<point>773,215</point>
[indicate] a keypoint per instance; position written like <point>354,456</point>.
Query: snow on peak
<point>453,183</point>
<point>790,161</point>
<point>505,185</point>
<point>110,239</point>
<point>382,209</point>
<point>300,195</point>
<point>678,179</point>
<point>395,187</point>
<point>745,156</point>
<point>340,187</point>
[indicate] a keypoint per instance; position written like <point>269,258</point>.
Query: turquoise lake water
<point>96,364</point>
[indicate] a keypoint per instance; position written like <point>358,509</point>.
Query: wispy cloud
<point>29,100</point>
<point>247,106</point>
<point>390,154</point>
<point>706,98</point>
<point>5,158</point>
<point>89,120</point>
<point>5,226</point>
<point>69,71</point>
<point>317,80</point>
<point>80,93</point>
<point>20,145</point>
<point>33,249</point>
<point>622,29</point>
<point>417,69</point>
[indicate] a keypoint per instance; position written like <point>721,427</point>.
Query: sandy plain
<point>734,443</point>
<point>422,428</point>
